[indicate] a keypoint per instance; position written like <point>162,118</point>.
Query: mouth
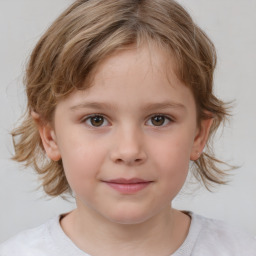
<point>128,186</point>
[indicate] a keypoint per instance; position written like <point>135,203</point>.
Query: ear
<point>48,137</point>
<point>201,138</point>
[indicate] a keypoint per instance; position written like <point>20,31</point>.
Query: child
<point>119,102</point>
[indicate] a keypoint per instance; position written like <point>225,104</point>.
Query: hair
<point>91,30</point>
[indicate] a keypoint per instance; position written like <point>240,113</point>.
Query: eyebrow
<point>163,105</point>
<point>93,105</point>
<point>147,107</point>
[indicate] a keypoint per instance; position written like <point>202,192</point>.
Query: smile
<point>128,186</point>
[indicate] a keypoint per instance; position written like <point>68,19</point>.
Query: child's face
<point>126,142</point>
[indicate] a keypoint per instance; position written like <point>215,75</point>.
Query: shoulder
<point>30,242</point>
<point>220,238</point>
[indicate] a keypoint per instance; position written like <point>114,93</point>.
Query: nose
<point>129,148</point>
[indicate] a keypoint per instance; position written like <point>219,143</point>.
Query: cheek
<point>174,171</point>
<point>171,159</point>
<point>173,150</point>
<point>82,163</point>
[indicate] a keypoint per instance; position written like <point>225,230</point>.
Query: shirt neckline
<point>64,244</point>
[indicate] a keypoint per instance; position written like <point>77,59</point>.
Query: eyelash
<point>88,120</point>
<point>167,119</point>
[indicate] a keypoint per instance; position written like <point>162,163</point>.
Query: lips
<point>128,186</point>
<point>128,181</point>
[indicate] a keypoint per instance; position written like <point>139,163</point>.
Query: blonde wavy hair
<point>86,33</point>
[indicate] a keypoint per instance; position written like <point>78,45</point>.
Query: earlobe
<point>48,137</point>
<point>201,138</point>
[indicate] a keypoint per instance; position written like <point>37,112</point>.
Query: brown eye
<point>158,120</point>
<point>96,121</point>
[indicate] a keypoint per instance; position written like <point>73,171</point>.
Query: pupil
<point>158,120</point>
<point>97,121</point>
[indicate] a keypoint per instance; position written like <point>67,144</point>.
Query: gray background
<point>232,26</point>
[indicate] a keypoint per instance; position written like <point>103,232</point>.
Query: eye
<point>96,121</point>
<point>159,120</point>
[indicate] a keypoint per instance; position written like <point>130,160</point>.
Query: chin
<point>129,217</point>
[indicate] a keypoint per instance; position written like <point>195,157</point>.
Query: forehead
<point>143,62</point>
<point>134,78</point>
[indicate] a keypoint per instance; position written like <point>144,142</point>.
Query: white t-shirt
<point>206,237</point>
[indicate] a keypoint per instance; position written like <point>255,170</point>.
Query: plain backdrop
<point>231,24</point>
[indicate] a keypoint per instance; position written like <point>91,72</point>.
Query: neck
<point>164,232</point>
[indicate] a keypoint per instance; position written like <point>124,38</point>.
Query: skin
<point>145,128</point>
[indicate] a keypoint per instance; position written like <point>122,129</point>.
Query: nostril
<point>128,156</point>
<point>119,160</point>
